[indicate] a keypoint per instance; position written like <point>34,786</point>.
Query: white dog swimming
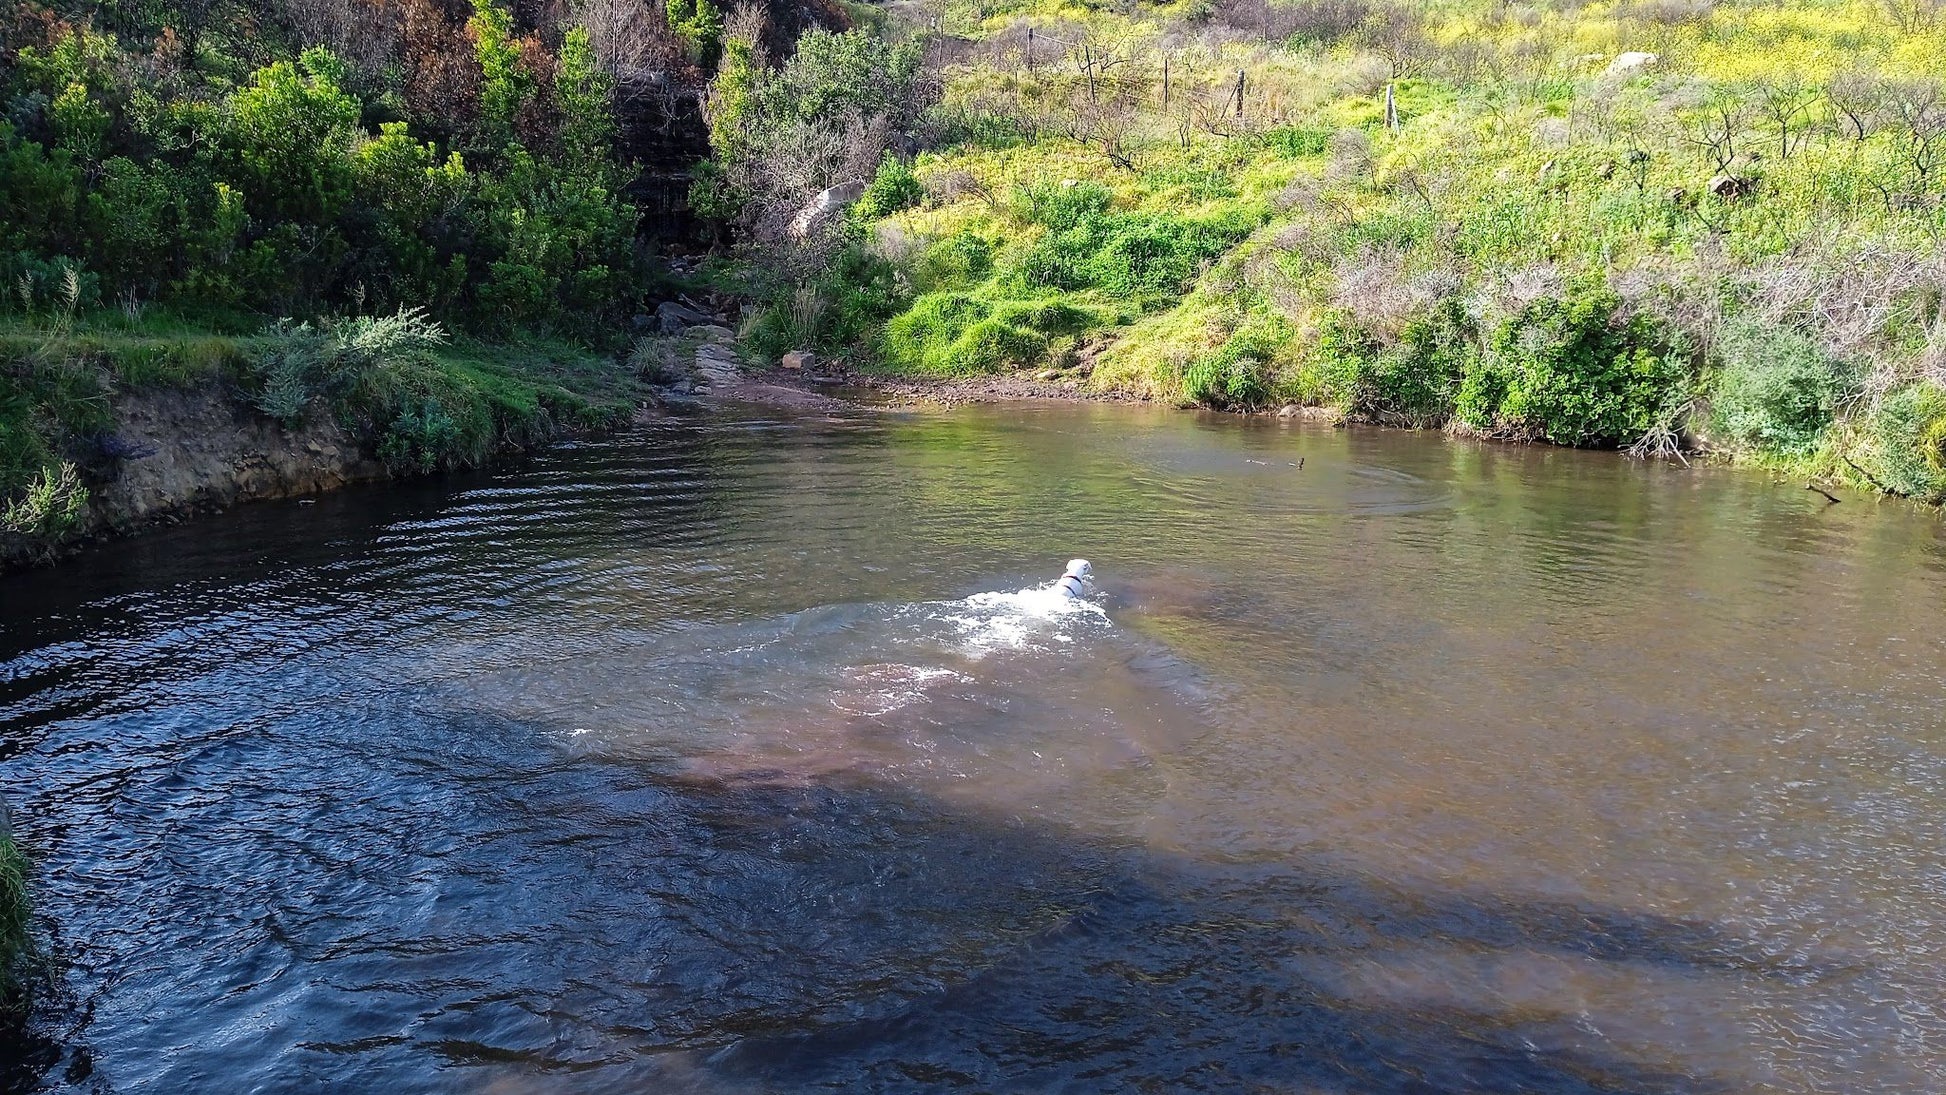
<point>1074,581</point>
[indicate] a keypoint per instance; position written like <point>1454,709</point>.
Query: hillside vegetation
<point>1654,224</point>
<point>408,214</point>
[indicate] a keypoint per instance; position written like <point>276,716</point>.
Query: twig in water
<point>1828,496</point>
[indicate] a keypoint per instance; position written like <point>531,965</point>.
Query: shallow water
<point>726,756</point>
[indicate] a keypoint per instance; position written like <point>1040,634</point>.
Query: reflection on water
<point>752,755</point>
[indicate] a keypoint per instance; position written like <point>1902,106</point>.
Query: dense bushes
<point>1904,443</point>
<point>1452,215</point>
<point>842,309</point>
<point>892,189</point>
<point>464,174</point>
<point>1411,380</point>
<point>824,117</point>
<point>390,378</point>
<point>1776,391</point>
<point>1571,371</point>
<point>1238,373</point>
<point>293,192</point>
<point>983,308</point>
<point>1135,257</point>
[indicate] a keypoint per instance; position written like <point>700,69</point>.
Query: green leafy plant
<point>1570,371</point>
<point>1411,380</point>
<point>1238,373</point>
<point>422,437</point>
<point>51,505</point>
<point>699,23</point>
<point>1775,390</point>
<point>892,189</point>
<point>1904,443</point>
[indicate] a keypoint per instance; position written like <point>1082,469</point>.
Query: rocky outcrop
<point>1632,62</point>
<point>826,205</point>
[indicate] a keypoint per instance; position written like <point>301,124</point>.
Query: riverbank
<point>1571,227</point>
<point>113,425</point>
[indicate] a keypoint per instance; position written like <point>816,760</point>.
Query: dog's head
<point>1079,568</point>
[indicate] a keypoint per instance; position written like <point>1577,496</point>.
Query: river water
<point>729,756</point>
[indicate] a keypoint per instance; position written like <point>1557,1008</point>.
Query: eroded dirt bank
<point>174,453</point>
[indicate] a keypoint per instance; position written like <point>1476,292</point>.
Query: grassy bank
<point>407,392</point>
<point>1639,225</point>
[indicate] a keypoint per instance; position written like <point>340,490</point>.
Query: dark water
<point>722,758</point>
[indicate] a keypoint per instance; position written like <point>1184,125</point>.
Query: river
<point>728,756</point>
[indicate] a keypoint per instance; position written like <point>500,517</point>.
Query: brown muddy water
<point>727,757</point>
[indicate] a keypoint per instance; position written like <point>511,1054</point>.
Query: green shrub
<point>957,261</point>
<point>1416,380</point>
<point>856,72</point>
<point>1061,206</point>
<point>954,333</point>
<point>15,941</point>
<point>916,338</point>
<point>1136,257</point>
<point>1775,390</point>
<point>51,506</point>
<point>990,346</point>
<point>1571,372</point>
<point>40,193</point>
<point>422,437</point>
<point>1413,380</point>
<point>1905,442</point>
<point>366,366</point>
<point>1238,373</point>
<point>699,24</point>
<point>504,85</point>
<point>583,93</point>
<point>290,132</point>
<point>894,188</point>
<point>56,287</point>
<point>292,367</point>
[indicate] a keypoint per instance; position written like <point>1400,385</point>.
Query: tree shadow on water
<point>477,910</point>
<point>1170,975</point>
